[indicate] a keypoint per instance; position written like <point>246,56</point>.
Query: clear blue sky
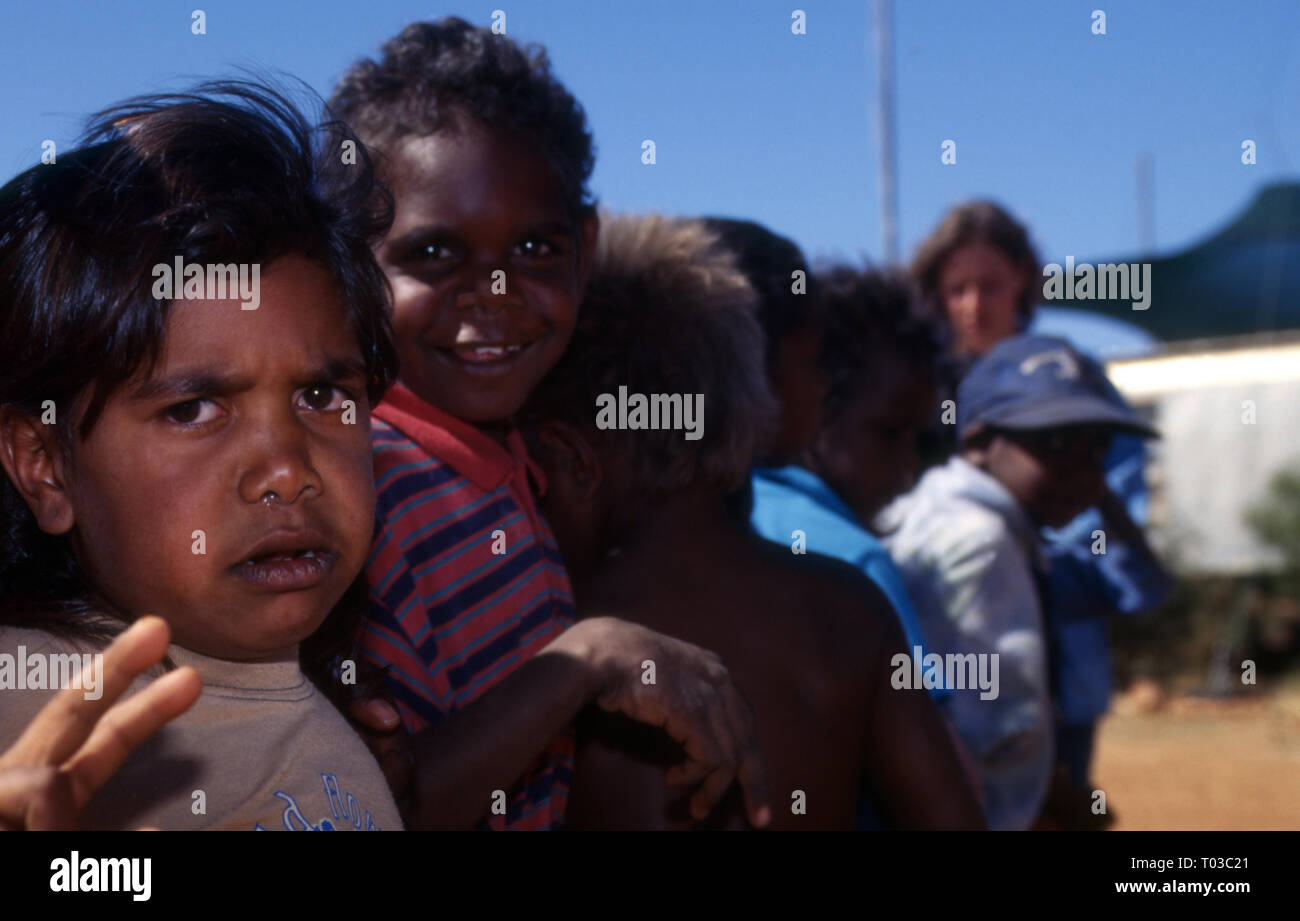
<point>751,120</point>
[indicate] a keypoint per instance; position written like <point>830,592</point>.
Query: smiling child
<point>471,610</point>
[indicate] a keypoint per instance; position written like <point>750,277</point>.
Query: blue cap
<point>1040,382</point>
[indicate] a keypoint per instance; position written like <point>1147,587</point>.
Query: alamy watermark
<point>1108,281</point>
<point>682,411</point>
<point>52,671</point>
<point>75,873</point>
<point>953,671</point>
<point>213,281</point>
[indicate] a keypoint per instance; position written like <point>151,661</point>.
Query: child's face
<point>576,488</point>
<point>869,453</point>
<point>240,433</point>
<point>981,289</point>
<point>472,203</point>
<point>1055,474</point>
<point>800,383</point>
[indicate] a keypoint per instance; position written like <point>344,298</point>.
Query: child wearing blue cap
<point>1035,420</point>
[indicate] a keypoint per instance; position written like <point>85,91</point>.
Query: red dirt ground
<point>1202,764</point>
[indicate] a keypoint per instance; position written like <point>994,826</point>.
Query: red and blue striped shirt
<point>448,617</point>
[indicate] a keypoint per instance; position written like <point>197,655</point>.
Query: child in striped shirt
<point>488,158</point>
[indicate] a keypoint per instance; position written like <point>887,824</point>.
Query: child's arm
<point>74,745</point>
<point>1136,577</point>
<point>914,767</point>
<point>994,614</point>
<point>489,744</point>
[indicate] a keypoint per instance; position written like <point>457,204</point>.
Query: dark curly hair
<point>431,72</point>
<point>769,261</point>
<point>228,172</point>
<point>871,313</point>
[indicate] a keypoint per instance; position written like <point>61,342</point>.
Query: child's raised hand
<point>74,745</point>
<point>693,699</point>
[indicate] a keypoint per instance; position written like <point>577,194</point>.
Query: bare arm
<point>486,746</point>
<point>913,765</point>
<point>618,776</point>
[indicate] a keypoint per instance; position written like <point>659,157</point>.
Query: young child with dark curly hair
<point>471,610</point>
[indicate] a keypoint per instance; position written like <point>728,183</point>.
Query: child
<point>979,272</point>
<point>790,315</point>
<point>879,359</point>
<point>640,514</point>
<point>192,332</point>
<point>814,334</point>
<point>881,354</point>
<point>1035,420</point>
<point>471,611</point>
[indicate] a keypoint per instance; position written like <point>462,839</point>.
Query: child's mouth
<point>483,359</point>
<point>287,570</point>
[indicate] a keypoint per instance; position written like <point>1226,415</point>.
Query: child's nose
<point>966,301</point>
<point>280,463</point>
<point>488,288</point>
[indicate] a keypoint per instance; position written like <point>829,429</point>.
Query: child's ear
<point>588,233</point>
<point>822,445</point>
<point>975,445</point>
<point>29,452</point>
<point>572,455</point>
<point>1027,313</point>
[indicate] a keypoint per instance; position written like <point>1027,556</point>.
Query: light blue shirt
<point>790,499</point>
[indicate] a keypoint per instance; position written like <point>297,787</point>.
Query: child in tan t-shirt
<point>192,332</point>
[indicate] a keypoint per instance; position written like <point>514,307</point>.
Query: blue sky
<point>751,120</point>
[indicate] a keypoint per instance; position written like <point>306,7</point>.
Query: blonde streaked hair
<point>668,311</point>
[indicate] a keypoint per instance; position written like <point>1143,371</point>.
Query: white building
<point>1229,413</point>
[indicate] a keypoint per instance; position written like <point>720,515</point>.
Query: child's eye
<point>192,412</point>
<point>536,249</point>
<point>324,397</point>
<point>432,252</point>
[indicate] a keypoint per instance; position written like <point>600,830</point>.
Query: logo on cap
<point>1068,364</point>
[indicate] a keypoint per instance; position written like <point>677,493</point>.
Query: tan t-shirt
<point>261,749</point>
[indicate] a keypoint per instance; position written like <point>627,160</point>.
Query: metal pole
<point>885,115</point>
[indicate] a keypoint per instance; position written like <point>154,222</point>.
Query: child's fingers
<point>375,714</point>
<point>752,773</point>
<point>63,724</point>
<point>695,729</point>
<point>35,798</point>
<point>715,757</point>
<point>687,774</point>
<point>126,726</point>
<point>711,791</point>
<point>398,765</point>
<point>753,781</point>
